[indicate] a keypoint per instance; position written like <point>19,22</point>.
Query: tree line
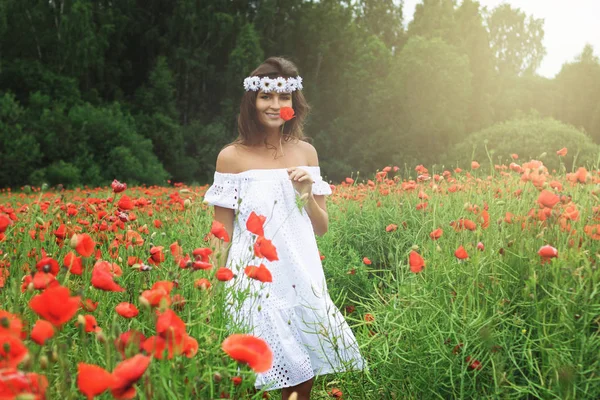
<point>148,91</point>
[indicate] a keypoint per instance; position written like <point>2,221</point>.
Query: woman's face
<point>268,106</point>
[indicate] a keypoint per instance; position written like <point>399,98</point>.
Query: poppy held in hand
<point>286,113</point>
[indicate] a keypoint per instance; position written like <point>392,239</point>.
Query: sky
<point>568,26</point>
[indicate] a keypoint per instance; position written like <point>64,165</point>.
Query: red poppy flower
<point>237,380</point>
<point>224,274</point>
<point>264,248</point>
<point>249,349</point>
<point>203,253</point>
<point>202,283</point>
<point>48,265</point>
<point>547,252</point>
<point>474,165</point>
<point>12,351</point>
<point>366,261</point>
<point>5,221</point>
<point>461,253</point>
<point>255,224</point>
<point>126,374</point>
<point>93,380</point>
<point>436,234</point>
<point>335,392</point>
<point>89,305</point>
<point>547,199</point>
<point>127,310</point>
<point>169,325</point>
<point>391,228</point>
<point>286,113</point>
<point>42,280</point>
<point>11,324</point>
<point>61,232</point>
<point>125,203</point>
<point>562,152</point>
<point>473,364</point>
<point>218,229</point>
<point>103,279</point>
<point>55,305</point>
<point>117,186</point>
<point>73,263</point>
<point>176,250</point>
<point>159,291</point>
<point>90,324</point>
<point>131,338</point>
<point>14,383</point>
<point>84,244</point>
<point>156,255</point>
<point>201,265</point>
<point>260,273</point>
<point>416,262</point>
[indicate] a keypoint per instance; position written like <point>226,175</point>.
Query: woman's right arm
<point>219,247</point>
<point>225,164</point>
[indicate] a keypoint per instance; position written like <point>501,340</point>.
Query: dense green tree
<point>382,18</point>
<point>579,92</point>
<point>473,40</point>
<point>430,90</point>
<point>516,40</point>
<point>435,18</point>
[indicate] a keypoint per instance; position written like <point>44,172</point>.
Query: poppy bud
<point>44,186</point>
<point>27,189</point>
<point>81,319</point>
<point>39,220</point>
<point>415,247</point>
<point>100,337</point>
<point>144,302</point>
<point>54,355</point>
<point>26,396</point>
<point>187,203</point>
<point>73,242</point>
<point>217,377</point>
<point>43,362</point>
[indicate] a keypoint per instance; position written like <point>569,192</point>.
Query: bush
<point>529,137</point>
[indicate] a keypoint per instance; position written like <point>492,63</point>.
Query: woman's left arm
<point>315,206</point>
<point>317,212</point>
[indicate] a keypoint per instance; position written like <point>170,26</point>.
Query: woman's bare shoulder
<point>227,159</point>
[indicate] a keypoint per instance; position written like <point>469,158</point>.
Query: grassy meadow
<point>456,283</point>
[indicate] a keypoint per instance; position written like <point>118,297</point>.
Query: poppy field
<point>457,283</point>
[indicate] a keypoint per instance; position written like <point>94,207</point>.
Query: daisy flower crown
<point>266,84</point>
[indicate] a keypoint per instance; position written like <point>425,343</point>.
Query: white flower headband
<point>279,84</point>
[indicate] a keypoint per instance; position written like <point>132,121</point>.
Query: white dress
<point>294,314</point>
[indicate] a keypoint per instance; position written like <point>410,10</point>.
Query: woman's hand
<point>301,180</point>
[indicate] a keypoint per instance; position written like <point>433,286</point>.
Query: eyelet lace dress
<point>294,314</point>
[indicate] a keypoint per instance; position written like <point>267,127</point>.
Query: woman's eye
<point>264,97</point>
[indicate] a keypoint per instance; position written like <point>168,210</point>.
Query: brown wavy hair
<point>249,127</point>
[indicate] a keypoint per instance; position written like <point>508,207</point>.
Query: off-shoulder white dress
<point>294,314</point>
